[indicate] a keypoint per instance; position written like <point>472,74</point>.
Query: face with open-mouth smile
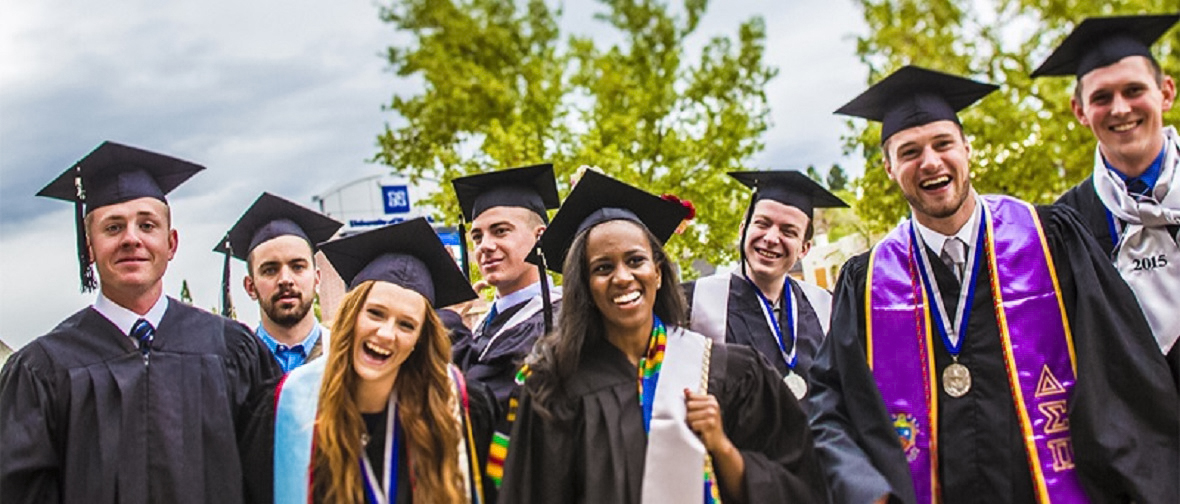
<point>387,329</point>
<point>775,239</point>
<point>1123,105</point>
<point>624,275</point>
<point>930,165</point>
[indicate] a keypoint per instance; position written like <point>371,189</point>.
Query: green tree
<point>837,179</point>
<point>185,295</point>
<point>503,87</point>
<point>813,174</point>
<point>1025,139</point>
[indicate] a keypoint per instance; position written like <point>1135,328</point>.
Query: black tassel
<point>227,302</point>
<point>547,304</point>
<point>464,262</point>
<point>89,283</point>
<point>746,229</point>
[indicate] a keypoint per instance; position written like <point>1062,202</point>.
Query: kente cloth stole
<point>1037,344</point>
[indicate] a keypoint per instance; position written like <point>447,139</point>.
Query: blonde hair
<point>426,406</point>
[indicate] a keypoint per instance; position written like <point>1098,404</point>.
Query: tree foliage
<point>1025,139</point>
<point>837,179</point>
<point>503,87</point>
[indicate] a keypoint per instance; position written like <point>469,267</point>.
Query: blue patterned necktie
<point>487,321</point>
<point>143,332</point>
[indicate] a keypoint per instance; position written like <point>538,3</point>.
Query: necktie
<point>954,255</point>
<point>1137,187</point>
<point>487,321</point>
<point>143,332</point>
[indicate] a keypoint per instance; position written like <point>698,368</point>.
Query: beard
<point>938,209</point>
<point>286,317</point>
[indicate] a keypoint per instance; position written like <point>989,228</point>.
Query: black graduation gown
<point>1123,414</point>
<point>1084,199</point>
<point>497,368</point>
<point>597,455</point>
<point>85,418</point>
<point>745,324</point>
<point>259,438</point>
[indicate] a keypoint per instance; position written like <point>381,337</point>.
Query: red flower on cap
<point>692,210</point>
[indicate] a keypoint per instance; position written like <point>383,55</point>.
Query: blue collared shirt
<point>289,357</point>
<point>1146,180</point>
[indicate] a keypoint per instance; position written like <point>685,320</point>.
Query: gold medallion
<point>797,384</point>
<point>956,380</point>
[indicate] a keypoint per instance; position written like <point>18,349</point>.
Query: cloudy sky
<point>280,96</point>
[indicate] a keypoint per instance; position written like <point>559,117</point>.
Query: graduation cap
<point>270,217</point>
<point>409,254</point>
<point>533,188</point>
<point>788,187</point>
<point>598,198</point>
<point>1101,41</point>
<point>110,174</point>
<point>914,96</point>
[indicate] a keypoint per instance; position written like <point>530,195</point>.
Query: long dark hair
<point>556,355</point>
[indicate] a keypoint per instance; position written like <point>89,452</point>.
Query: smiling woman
<point>391,420</point>
<point>620,386</point>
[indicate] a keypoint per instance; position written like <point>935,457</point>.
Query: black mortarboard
<point>913,96</point>
<point>114,173</point>
<point>409,254</point>
<point>531,187</point>
<point>270,217</point>
<point>598,198</point>
<point>1101,41</point>
<point>790,188</point>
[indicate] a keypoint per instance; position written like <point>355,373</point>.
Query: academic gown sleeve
<point>30,468</point>
<point>1125,412</point>
<point>539,467</point>
<point>483,412</point>
<point>857,447</point>
<point>258,444</point>
<point>764,421</point>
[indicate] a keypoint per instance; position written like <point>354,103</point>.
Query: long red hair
<point>426,407</point>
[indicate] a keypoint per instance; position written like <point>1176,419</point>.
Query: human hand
<point>704,418</point>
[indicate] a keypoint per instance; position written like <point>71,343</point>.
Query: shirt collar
<point>1149,176</point>
<point>273,344</point>
<point>520,296</point>
<point>936,240</point>
<point>124,319</point>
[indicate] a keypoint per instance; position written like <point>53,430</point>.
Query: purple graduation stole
<point>1037,343</point>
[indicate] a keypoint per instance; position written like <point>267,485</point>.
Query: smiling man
<point>975,354</point>
<point>1130,203</point>
<point>138,398</point>
<point>277,240</point>
<point>759,305</point>
<point>506,210</point>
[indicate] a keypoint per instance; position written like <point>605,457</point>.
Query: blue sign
<point>396,199</point>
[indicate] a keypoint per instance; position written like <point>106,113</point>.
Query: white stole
<point>1147,256</point>
<point>710,305</point>
<point>674,466</point>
